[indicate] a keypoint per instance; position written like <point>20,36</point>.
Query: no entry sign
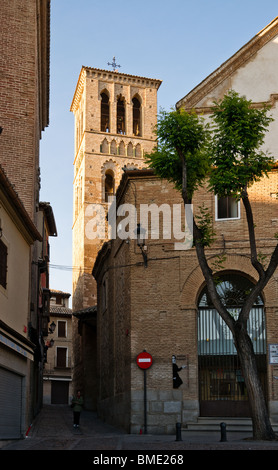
<point>144,360</point>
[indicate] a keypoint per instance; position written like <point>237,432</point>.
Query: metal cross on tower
<point>114,65</point>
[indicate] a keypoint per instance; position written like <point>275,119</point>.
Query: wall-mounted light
<point>52,328</point>
<point>141,232</point>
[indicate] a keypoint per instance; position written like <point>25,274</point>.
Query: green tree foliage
<point>228,152</point>
<point>236,157</point>
<point>181,142</point>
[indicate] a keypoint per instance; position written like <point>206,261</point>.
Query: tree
<point>230,158</point>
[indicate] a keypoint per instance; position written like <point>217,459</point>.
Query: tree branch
<point>207,272</point>
<point>184,175</point>
<point>252,238</point>
<point>273,263</point>
<point>258,288</point>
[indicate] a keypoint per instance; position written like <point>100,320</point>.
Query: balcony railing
<point>57,363</point>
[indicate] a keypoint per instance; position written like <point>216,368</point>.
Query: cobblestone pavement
<point>53,430</point>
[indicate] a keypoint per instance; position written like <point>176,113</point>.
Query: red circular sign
<point>144,360</point>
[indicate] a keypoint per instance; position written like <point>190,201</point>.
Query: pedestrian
<point>177,381</point>
<point>77,405</point>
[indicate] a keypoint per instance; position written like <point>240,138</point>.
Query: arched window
<point>138,151</point>
<point>232,288</point>
<point>136,117</point>
<point>105,119</point>
<point>109,184</point>
<point>130,150</point>
<point>104,148</point>
<point>122,148</point>
<point>120,116</point>
<point>113,148</point>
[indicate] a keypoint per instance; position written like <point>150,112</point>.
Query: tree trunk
<point>262,429</point>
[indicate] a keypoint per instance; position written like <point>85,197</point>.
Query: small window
<point>3,264</point>
<point>109,185</point>
<point>61,329</point>
<point>105,124</point>
<point>227,208</point>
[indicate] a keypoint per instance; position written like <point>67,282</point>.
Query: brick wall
<point>19,99</point>
<point>155,308</point>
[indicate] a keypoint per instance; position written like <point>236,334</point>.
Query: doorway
<point>59,392</point>
<point>222,390</point>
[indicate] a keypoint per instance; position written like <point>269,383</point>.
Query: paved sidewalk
<point>53,430</point>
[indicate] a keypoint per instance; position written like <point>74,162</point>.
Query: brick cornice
<point>106,74</point>
<point>271,102</point>
<point>78,90</point>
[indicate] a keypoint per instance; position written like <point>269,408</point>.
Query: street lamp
<point>52,327</point>
<point>141,232</point>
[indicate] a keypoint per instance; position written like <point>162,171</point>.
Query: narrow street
<point>53,430</point>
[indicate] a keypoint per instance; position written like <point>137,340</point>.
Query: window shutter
<point>61,329</point>
<point>61,357</point>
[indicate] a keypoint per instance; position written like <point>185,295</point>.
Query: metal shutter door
<point>10,404</point>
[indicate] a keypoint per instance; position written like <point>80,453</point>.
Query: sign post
<point>144,361</point>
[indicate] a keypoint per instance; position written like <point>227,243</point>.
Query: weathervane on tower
<point>114,65</point>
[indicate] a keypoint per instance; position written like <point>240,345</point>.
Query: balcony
<point>54,365</point>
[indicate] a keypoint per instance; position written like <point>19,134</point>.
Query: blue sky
<point>177,41</point>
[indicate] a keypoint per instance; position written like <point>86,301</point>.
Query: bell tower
<point>115,114</point>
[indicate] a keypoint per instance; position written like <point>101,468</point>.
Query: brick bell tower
<point>115,114</point>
